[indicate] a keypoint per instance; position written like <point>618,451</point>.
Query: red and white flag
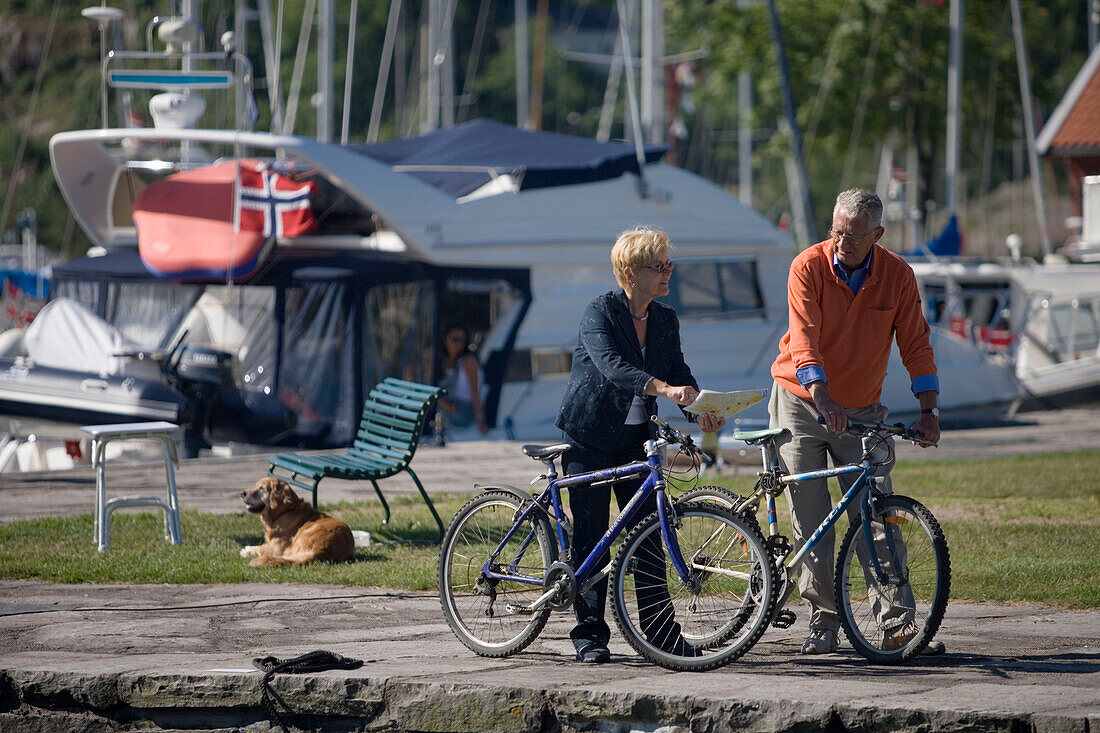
<point>220,220</point>
<point>272,203</point>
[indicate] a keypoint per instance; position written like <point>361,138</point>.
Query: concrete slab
<point>157,649</point>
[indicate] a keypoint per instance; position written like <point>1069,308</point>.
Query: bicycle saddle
<point>545,452</point>
<point>753,436</point>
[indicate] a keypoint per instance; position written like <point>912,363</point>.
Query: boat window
<point>1075,329</point>
<point>935,302</point>
<point>317,372</point>
<point>148,312</point>
<point>85,292</point>
<point>397,334</point>
<point>708,288</point>
<point>240,321</point>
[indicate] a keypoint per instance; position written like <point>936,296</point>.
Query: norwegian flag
<point>219,220</point>
<point>272,203</point>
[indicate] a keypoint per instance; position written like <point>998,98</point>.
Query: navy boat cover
<point>538,159</point>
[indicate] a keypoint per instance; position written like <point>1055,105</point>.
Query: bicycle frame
<point>862,485</point>
<point>587,574</point>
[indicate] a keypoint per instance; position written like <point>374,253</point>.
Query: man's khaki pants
<point>811,447</point>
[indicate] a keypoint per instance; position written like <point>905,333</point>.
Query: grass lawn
<point>1020,529</point>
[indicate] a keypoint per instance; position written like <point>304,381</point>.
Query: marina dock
<point>122,657</point>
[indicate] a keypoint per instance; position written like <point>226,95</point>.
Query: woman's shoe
<point>593,653</point>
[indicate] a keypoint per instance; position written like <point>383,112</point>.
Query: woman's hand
<point>680,395</point>
<point>710,423</point>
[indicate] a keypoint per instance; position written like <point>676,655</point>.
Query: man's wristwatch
<point>934,411</point>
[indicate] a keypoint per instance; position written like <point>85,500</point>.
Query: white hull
<point>562,236</point>
<point>1046,317</point>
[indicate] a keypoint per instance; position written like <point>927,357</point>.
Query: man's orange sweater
<point>849,336</point>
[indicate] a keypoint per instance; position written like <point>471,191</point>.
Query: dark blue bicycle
<point>692,586</point>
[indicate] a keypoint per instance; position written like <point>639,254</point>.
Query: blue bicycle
<point>693,586</point>
<point>893,570</point>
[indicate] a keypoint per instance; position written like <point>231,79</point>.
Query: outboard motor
<point>200,373</point>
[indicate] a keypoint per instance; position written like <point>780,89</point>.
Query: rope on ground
<point>315,661</point>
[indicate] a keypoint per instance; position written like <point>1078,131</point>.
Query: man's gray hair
<point>857,202</point>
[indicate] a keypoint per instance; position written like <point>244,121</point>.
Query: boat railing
<point>127,71</point>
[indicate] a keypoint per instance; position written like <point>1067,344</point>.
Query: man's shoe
<point>820,641</point>
<point>899,637</point>
<point>593,653</point>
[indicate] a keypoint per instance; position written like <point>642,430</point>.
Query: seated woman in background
<point>461,376</point>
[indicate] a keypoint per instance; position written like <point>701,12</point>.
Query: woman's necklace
<point>639,318</point>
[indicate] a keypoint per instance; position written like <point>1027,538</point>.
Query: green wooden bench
<point>393,418</point>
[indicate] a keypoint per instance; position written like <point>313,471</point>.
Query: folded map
<point>724,404</point>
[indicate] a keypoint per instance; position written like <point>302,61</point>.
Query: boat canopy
<point>461,159</point>
<point>315,329</point>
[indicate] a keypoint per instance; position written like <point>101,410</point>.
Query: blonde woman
<point>628,354</point>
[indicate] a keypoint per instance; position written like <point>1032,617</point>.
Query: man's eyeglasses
<point>850,236</point>
<point>663,267</point>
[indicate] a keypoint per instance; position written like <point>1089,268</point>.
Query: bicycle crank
<point>561,581</point>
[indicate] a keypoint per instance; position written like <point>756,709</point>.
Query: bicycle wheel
<point>714,618</point>
<point>722,497</point>
<point>891,622</point>
<point>491,615</point>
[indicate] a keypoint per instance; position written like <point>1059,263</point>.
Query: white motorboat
<point>1042,318</point>
<point>505,230</point>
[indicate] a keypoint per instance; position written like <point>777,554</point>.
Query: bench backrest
<point>393,418</point>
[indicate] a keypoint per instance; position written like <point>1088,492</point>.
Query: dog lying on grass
<point>296,532</point>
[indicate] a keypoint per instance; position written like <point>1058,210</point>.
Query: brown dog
<point>296,532</point>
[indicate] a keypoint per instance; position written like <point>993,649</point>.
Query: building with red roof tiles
<point>1073,130</point>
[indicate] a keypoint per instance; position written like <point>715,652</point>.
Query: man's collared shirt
<point>855,280</point>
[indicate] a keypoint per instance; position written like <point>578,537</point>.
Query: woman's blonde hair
<point>637,248</point>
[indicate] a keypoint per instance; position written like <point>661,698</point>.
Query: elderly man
<point>848,299</point>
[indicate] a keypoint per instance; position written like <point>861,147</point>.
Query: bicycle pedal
<point>779,546</point>
<point>784,619</point>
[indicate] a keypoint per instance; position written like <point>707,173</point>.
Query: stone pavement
<point>121,657</point>
<point>104,658</point>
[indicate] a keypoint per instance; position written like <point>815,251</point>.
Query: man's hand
<point>710,423</point>
<point>836,419</point>
<point>929,427</point>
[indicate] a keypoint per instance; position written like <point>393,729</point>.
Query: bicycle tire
<point>928,579</point>
<point>473,606</point>
<point>729,606</point>
<point>722,497</point>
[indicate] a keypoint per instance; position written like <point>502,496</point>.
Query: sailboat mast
<point>954,71</point>
<point>326,29</point>
<point>800,198</point>
<point>1029,126</point>
<point>523,90</point>
<point>653,77</point>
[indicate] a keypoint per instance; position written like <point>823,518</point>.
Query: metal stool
<point>103,434</point>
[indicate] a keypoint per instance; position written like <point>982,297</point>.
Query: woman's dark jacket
<point>608,368</point>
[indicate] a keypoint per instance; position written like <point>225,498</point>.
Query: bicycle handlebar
<point>672,435</point>
<point>898,429</point>
<point>859,430</point>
